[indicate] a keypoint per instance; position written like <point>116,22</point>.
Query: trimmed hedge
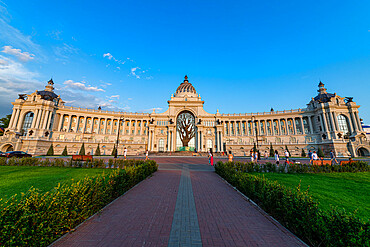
<point>297,211</point>
<point>356,166</point>
<point>38,219</point>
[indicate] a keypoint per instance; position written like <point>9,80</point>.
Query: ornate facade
<point>328,122</point>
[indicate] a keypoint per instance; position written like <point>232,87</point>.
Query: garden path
<point>183,204</point>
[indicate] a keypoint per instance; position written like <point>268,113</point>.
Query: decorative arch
<point>362,151</point>
<point>185,129</point>
<point>7,148</point>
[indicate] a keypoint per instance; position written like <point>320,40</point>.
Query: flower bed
<point>37,219</point>
<point>296,210</point>
<point>355,166</point>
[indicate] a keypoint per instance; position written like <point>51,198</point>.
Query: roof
<point>186,87</point>
<point>323,98</point>
<point>47,95</point>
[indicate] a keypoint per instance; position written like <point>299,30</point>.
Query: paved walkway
<point>181,205</point>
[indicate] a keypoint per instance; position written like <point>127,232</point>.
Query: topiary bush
<point>50,151</point>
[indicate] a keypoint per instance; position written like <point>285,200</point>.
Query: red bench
<point>345,162</point>
<point>82,157</point>
<point>321,162</point>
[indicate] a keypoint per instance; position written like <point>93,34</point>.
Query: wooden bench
<point>82,157</point>
<point>321,162</point>
<point>346,162</point>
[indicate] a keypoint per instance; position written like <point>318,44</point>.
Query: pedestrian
<point>314,156</point>
<point>286,153</point>
<point>333,158</point>
<point>310,155</point>
<point>277,158</point>
<point>230,157</point>
<point>211,156</point>
<point>256,156</point>
<point>252,156</point>
<point>125,153</point>
<point>266,155</point>
<point>147,155</point>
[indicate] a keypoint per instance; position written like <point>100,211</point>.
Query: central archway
<point>185,129</point>
<point>363,152</point>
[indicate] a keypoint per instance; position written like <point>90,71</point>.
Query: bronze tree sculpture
<point>186,127</point>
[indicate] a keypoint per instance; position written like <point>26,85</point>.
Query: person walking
<point>286,153</point>
<point>147,155</point>
<point>266,155</point>
<point>314,156</point>
<point>125,153</point>
<point>230,157</point>
<point>211,156</point>
<point>310,155</point>
<point>252,156</point>
<point>277,158</point>
<point>333,158</point>
<point>256,156</point>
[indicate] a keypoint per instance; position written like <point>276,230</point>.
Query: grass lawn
<point>17,179</point>
<point>350,191</point>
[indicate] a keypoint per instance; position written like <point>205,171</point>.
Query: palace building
<point>329,122</point>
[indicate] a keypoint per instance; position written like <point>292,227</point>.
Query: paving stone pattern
<point>182,204</point>
<point>185,229</point>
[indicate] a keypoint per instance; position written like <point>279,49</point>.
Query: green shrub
<point>320,153</point>
<point>296,210</point>
<point>50,152</point>
<point>97,151</point>
<point>65,152</point>
<point>38,219</point>
<point>82,150</point>
<point>272,154</point>
<point>303,153</point>
<point>114,151</point>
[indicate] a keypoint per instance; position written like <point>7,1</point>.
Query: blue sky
<point>241,56</point>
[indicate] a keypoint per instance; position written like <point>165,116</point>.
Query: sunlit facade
<point>328,121</point>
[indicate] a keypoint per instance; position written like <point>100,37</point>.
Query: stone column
<point>335,121</point>
<point>358,121</point>
<point>222,141</point>
<point>34,119</point>
<point>47,113</point>
<point>129,127</point>
<point>49,120</point>
<point>69,123</point>
<point>321,122</point>
<point>39,117</point>
<point>149,140</point>
<point>60,122</point>
<point>85,124</point>
<point>302,126</point>
<point>135,127</point>
<point>279,127</point>
<point>12,118</point>
<point>310,124</point>
<point>294,126</point>
<point>141,127</point>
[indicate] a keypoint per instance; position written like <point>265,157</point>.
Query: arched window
<point>27,123</point>
<point>209,144</point>
<point>343,124</point>
<point>161,145</point>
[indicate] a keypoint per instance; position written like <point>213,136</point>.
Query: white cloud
<point>134,71</point>
<point>15,79</point>
<point>56,34</point>
<point>81,86</point>
<point>114,97</point>
<point>22,56</point>
<point>110,57</point>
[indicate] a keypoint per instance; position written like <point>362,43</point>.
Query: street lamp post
<point>119,127</point>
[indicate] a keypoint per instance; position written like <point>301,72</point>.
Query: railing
<point>101,111</point>
<point>266,113</point>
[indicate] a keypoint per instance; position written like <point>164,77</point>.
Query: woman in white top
<point>277,157</point>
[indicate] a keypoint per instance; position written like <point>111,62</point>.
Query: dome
<point>186,88</point>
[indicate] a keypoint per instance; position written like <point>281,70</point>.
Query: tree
<point>254,148</point>
<point>114,151</point>
<point>82,150</point>
<point>186,127</point>
<point>65,152</point>
<point>97,151</point>
<point>4,123</point>
<point>50,152</point>
<point>303,154</point>
<point>320,153</point>
<point>272,151</point>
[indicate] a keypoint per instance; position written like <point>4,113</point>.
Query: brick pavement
<point>181,205</point>
<point>142,217</point>
<point>227,219</point>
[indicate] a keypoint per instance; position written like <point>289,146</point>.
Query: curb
<point>264,213</point>
<point>74,229</point>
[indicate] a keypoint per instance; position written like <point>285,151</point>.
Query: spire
<point>186,79</point>
<point>50,87</point>
<point>322,90</point>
